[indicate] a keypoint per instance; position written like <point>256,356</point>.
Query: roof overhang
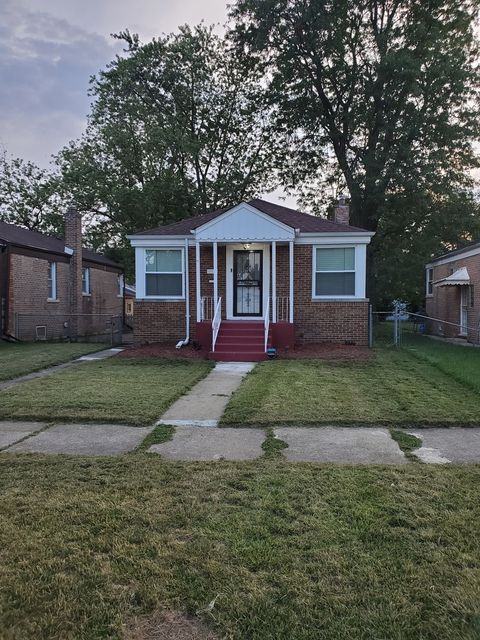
<point>460,277</point>
<point>243,223</point>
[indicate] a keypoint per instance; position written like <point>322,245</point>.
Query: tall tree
<point>381,95</point>
<point>178,126</point>
<point>29,196</point>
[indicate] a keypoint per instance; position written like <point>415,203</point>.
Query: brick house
<point>52,288</point>
<point>452,294</point>
<point>250,277</point>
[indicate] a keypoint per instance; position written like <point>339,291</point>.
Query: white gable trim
<point>243,223</point>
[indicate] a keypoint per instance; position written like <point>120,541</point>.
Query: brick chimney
<point>73,241</point>
<point>341,212</point>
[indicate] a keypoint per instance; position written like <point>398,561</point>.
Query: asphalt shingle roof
<point>292,218</point>
<point>13,234</point>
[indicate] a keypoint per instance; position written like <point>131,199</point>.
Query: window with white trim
<point>429,282</point>
<point>164,273</point>
<point>52,280</point>
<point>334,272</point>
<point>86,289</point>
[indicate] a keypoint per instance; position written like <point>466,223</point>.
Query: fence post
<point>370,326</point>
<point>395,325</point>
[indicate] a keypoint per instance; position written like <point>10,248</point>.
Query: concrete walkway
<point>442,446</point>
<point>342,445</point>
<point>204,404</point>
<point>98,355</point>
<point>72,439</point>
<point>205,443</point>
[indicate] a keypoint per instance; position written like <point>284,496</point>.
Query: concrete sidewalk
<point>448,445</point>
<point>341,445</point>
<point>204,404</point>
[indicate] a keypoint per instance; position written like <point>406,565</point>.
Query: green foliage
<point>382,98</point>
<point>29,196</point>
<point>178,127</point>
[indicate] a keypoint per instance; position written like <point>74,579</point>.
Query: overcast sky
<point>50,48</point>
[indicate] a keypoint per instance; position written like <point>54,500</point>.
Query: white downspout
<point>186,340</point>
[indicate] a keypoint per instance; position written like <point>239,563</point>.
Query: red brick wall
<point>165,321</point>
<point>315,321</point>
<point>444,304</point>
<point>28,297</point>
<point>324,320</point>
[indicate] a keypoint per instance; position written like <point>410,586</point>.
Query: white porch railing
<point>206,308</point>
<point>266,323</point>
<point>216,322</point>
<point>283,308</point>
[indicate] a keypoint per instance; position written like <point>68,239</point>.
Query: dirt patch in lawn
<point>326,351</point>
<point>169,625</point>
<point>164,350</point>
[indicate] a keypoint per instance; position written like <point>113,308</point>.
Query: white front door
<point>464,294</point>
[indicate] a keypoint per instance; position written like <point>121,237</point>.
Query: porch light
<point>247,246</point>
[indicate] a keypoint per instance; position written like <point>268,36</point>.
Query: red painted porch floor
<point>322,351</point>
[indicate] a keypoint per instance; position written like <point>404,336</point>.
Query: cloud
<point>45,67</point>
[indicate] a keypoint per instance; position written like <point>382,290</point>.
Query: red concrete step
<point>234,338</point>
<point>237,356</point>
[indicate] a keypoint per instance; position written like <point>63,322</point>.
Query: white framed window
<point>52,281</point>
<point>334,272</point>
<point>120,283</point>
<point>86,286</point>
<point>164,277</point>
<point>429,282</point>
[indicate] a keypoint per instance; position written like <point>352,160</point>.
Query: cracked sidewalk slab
<point>448,445</point>
<point>207,444</point>
<point>205,403</point>
<point>83,440</point>
<point>11,431</point>
<point>341,445</point>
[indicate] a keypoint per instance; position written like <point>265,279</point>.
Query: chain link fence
<point>399,326</point>
<point>87,327</point>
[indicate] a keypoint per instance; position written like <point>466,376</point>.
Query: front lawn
<point>17,359</point>
<point>115,390</point>
<point>285,551</point>
<point>394,387</point>
<point>462,363</point>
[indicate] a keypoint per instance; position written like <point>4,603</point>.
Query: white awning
<point>458,277</point>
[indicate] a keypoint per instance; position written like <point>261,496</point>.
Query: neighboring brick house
<point>248,277</point>
<point>52,288</point>
<point>452,296</point>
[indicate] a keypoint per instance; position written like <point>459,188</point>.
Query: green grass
<point>17,359</point>
<point>407,442</point>
<point>396,387</point>
<point>289,551</point>
<point>459,362</point>
<point>125,390</point>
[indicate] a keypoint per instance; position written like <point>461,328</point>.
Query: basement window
<point>334,272</point>
<point>164,273</point>
<point>52,281</point>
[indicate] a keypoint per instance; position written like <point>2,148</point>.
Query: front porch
<point>243,306</point>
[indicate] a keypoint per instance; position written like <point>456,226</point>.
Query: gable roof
<point>305,222</point>
<point>13,234</point>
<point>472,246</point>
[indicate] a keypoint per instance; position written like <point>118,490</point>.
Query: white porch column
<point>197,280</point>
<point>290,269</point>
<point>274,281</point>
<point>215,276</point>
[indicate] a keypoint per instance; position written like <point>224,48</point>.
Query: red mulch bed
<point>323,351</point>
<point>326,351</point>
<point>163,350</point>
